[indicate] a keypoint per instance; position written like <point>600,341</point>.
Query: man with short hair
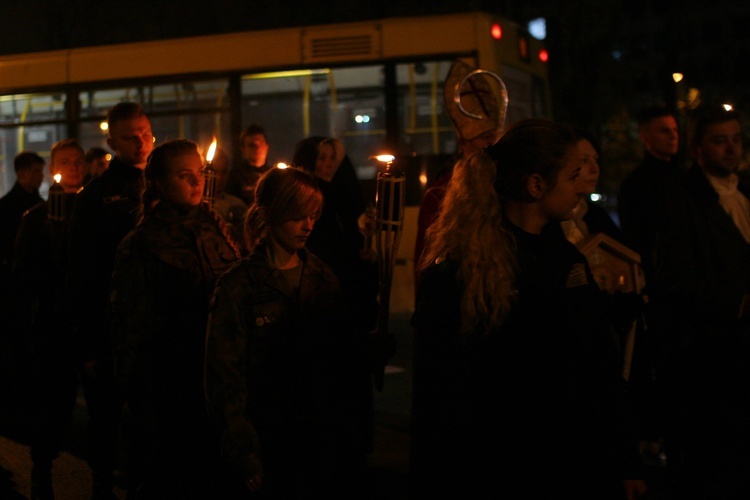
<point>105,211</point>
<point>244,176</point>
<point>29,168</point>
<point>39,281</point>
<point>641,193</point>
<point>701,300</point>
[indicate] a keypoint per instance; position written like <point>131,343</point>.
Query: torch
<point>56,200</point>
<point>209,190</point>
<point>389,222</point>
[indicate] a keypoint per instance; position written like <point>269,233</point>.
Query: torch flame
<point>58,178</point>
<point>211,151</point>
<point>385,158</point>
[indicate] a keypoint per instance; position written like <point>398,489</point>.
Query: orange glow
<point>385,158</point>
<point>282,165</point>
<point>496,31</point>
<point>58,177</point>
<point>543,55</point>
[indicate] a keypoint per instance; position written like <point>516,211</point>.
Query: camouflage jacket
<point>164,276</point>
<point>281,368</point>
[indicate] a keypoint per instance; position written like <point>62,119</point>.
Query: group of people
<point>518,384</point>
<point>206,336</point>
<point>227,339</point>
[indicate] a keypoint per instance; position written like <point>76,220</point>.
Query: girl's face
<point>559,200</point>
<point>589,166</point>
<point>183,183</point>
<point>325,164</point>
<point>292,234</point>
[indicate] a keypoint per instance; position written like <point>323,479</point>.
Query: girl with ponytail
<point>165,273</point>
<point>516,374</point>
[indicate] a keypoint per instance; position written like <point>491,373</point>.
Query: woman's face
<point>325,164</point>
<point>589,166</point>
<point>292,234</point>
<point>558,201</point>
<point>183,183</point>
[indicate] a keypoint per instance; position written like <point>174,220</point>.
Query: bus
<point>375,85</point>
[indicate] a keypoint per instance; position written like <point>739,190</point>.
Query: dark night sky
<point>705,40</point>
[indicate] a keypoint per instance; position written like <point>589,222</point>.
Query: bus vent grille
<point>327,47</point>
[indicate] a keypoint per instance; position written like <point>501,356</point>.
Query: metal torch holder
<point>389,222</point>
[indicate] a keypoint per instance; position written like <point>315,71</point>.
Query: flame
<point>57,177</point>
<point>282,165</point>
<point>211,151</point>
<point>385,158</point>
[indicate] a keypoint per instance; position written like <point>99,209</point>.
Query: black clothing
<point>39,275</point>
<point>163,280</point>
<point>703,272</point>
<point>104,212</point>
<point>541,397</point>
<point>641,206</point>
<point>337,241</point>
<point>285,378</point>
<point>12,207</point>
<point>242,180</point>
<point>14,349</point>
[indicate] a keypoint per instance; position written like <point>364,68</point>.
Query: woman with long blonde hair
<point>515,375</point>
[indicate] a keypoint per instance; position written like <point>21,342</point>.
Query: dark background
<point>608,58</point>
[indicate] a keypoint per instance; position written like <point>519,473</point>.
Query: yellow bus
<point>375,85</point>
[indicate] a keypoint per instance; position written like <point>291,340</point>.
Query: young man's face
<point>132,140</point>
<point>255,150</point>
<point>660,137</point>
<point>720,149</point>
<point>69,163</point>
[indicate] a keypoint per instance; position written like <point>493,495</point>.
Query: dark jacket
<point>161,287</point>
<point>542,395</point>
<point>285,375</point>
<point>702,275</point>
<point>641,206</point>
<point>12,207</point>
<point>104,212</point>
<point>242,180</point>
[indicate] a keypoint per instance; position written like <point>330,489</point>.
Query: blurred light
<point>496,31</point>
<point>543,55</point>
<point>616,55</point>
<point>282,165</point>
<point>109,157</point>
<point>104,126</point>
<point>362,118</point>
<point>385,158</point>
<point>211,151</point>
<point>423,179</point>
<point>727,107</point>
<point>677,77</point>
<point>538,28</point>
<point>595,197</point>
<point>58,177</point>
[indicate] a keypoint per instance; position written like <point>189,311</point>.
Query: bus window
<point>346,103</point>
<point>425,128</point>
<point>20,129</point>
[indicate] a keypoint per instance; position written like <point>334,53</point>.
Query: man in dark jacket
<point>244,176</point>
<point>702,305</point>
<point>14,392</point>
<point>105,211</point>
<point>641,194</point>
